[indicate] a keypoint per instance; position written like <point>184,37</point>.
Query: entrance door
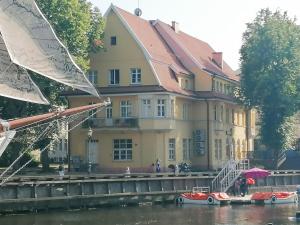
<point>92,151</point>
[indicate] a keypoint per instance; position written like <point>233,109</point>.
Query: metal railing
<point>227,176</point>
<point>111,122</point>
<point>281,158</point>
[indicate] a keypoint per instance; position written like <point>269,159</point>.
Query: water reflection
<point>163,215</point>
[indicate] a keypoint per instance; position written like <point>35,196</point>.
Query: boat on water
<point>274,197</point>
<point>202,196</point>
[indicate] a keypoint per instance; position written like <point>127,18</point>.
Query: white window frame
<point>172,108</point>
<point>146,108</point>
<point>122,149</point>
<point>185,111</point>
<point>125,109</point>
<point>136,75</point>
<point>161,107</point>
<point>113,76</point>
<point>108,113</point>
<point>172,148</point>
<point>221,119</point>
<point>93,76</point>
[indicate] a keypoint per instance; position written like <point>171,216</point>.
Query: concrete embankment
<point>79,191</point>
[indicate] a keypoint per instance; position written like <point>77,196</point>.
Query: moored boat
<point>203,198</point>
<point>274,197</point>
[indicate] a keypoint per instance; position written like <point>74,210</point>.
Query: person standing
<point>157,166</point>
<point>236,187</point>
<point>243,187</point>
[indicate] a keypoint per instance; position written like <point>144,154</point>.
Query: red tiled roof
<point>202,52</point>
<point>163,58</point>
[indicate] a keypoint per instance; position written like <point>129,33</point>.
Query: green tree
<point>270,76</point>
<point>79,26</point>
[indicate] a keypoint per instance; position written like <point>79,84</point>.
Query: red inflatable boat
<point>274,197</point>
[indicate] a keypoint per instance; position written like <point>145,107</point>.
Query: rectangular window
<point>213,85</point>
<point>172,149</point>
<point>92,113</point>
<point>113,40</point>
<point>126,108</point>
<point>185,149</point>
<point>232,116</point>
<point>93,76</point>
<point>227,115</point>
<point>185,111</point>
<point>122,149</point>
<point>222,113</point>
<point>172,108</point>
<point>161,107</point>
<point>114,77</point>
<point>146,108</point>
<point>215,112</point>
<point>186,86</point>
<point>109,111</point>
<point>135,75</point>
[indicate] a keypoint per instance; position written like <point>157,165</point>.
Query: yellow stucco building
<point>171,100</point>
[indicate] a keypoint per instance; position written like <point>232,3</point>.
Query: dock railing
<point>229,173</point>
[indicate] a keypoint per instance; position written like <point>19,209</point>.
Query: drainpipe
<point>207,128</point>
<point>247,131</point>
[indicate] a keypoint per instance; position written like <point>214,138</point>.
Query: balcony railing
<point>111,123</point>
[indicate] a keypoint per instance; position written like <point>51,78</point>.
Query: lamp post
<point>90,134</point>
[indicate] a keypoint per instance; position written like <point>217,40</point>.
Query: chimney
<point>217,57</point>
<point>175,26</point>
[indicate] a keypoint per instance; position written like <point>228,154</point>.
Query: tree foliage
<point>79,26</point>
<point>270,68</point>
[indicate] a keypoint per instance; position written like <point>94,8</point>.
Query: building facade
<point>172,101</point>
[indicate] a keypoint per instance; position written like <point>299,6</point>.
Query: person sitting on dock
<point>236,187</point>
<point>243,187</point>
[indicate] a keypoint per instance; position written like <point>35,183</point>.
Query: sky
<point>220,23</point>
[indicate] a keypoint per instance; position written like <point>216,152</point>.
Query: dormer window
<point>113,40</point>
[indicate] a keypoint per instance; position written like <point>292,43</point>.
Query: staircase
<point>227,176</point>
<point>281,158</point>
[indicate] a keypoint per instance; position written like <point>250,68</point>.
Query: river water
<point>163,215</point>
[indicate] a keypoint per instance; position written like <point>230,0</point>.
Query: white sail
<point>32,44</point>
<point>5,139</point>
<point>15,82</point>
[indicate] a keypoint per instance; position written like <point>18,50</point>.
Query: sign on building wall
<point>199,142</point>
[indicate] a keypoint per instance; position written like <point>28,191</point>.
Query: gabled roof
<point>200,51</point>
<point>164,61</point>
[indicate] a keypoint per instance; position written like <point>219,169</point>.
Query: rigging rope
<point>51,127</point>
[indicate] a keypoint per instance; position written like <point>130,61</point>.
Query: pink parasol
<point>256,173</point>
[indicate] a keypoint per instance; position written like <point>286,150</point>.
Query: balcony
<point>141,123</point>
<point>111,123</point>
